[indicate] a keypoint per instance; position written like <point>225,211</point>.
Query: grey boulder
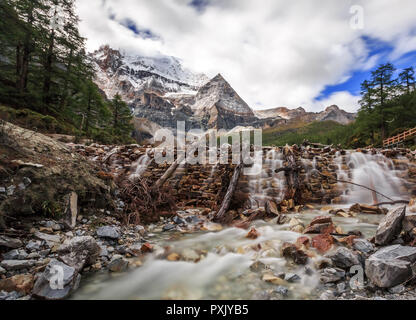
<point>108,232</point>
<point>79,252</point>
<point>344,258</point>
<point>391,266</point>
<point>57,282</point>
<point>390,226</point>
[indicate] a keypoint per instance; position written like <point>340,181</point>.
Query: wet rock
<point>258,266</point>
<point>17,264</point>
<point>15,255</point>
<point>33,245</point>
<point>108,232</point>
<point>331,275</point>
<point>49,238</point>
<point>323,243</point>
<point>169,227</point>
<point>22,283</point>
<point>271,278</point>
<point>291,251</point>
<point>390,226</point>
<point>296,225</point>
<point>398,289</point>
<point>409,222</point>
<point>321,220</point>
<point>390,266</point>
<point>173,257</point>
<point>118,264</point>
<point>253,234</point>
<point>344,258</point>
<point>79,252</point>
<point>146,248</point>
<point>323,228</point>
<point>292,278</point>
<point>327,295</point>
<point>281,290</point>
<point>10,295</point>
<point>10,242</point>
<point>57,282</point>
<point>71,210</point>
<point>303,241</point>
<point>178,220</point>
<point>190,255</point>
<point>363,246</point>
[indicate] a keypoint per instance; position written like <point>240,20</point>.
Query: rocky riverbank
<point>70,212</point>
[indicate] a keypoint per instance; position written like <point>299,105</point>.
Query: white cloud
<point>273,52</point>
<point>343,99</point>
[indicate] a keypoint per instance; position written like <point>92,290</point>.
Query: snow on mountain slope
<point>131,75</point>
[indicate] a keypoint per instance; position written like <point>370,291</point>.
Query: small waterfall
<point>141,166</point>
<point>268,185</point>
<point>371,170</point>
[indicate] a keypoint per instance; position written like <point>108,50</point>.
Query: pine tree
<point>407,79</point>
<point>121,118</point>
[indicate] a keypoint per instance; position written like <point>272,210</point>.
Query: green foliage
<point>44,67</point>
<point>325,132</point>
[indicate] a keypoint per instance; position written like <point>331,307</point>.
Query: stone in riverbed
<point>118,264</point>
<point>11,265</point>
<point>22,283</point>
<point>322,228</point>
<point>390,226</point>
<point>10,242</point>
<point>15,255</point>
<point>363,246</point>
<point>323,243</point>
<point>108,232</point>
<point>391,266</point>
<point>409,222</point>
<point>331,275</point>
<point>49,238</point>
<point>291,251</point>
<point>33,245</point>
<point>57,282</point>
<point>79,252</point>
<point>71,210</point>
<point>344,258</point>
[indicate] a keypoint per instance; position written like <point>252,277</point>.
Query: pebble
<point>282,291</point>
<point>292,277</point>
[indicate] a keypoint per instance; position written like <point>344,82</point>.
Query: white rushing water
<point>374,171</point>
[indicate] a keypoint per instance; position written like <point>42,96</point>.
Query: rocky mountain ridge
<point>160,91</point>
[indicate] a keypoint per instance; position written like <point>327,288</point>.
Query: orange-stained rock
<point>325,228</point>
<point>253,234</point>
<point>348,241</point>
<point>147,247</point>
<point>303,241</point>
<point>323,242</point>
<point>321,220</point>
<point>22,283</point>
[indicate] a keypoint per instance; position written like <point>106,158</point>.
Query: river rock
<point>2,271</point>
<point>15,255</point>
<point>33,245</point>
<point>344,258</point>
<point>322,228</point>
<point>57,282</point>
<point>291,251</point>
<point>409,222</point>
<point>323,243</point>
<point>10,242</point>
<point>118,264</point>
<point>71,210</point>
<point>22,283</point>
<point>109,232</point>
<point>363,246</point>
<point>51,239</point>
<point>331,275</point>
<point>79,252</point>
<point>390,226</point>
<point>390,266</point>
<point>10,265</point>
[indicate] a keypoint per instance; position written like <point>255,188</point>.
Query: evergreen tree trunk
<point>48,71</point>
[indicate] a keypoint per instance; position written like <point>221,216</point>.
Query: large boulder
<point>391,266</point>
<point>344,258</point>
<point>57,282</point>
<point>108,232</point>
<point>390,226</point>
<point>79,252</point>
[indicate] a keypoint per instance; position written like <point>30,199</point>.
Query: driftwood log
<point>230,193</point>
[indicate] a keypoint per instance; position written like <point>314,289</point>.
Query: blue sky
<point>277,53</point>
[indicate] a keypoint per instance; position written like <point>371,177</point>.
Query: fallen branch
<point>229,195</point>
<point>391,203</point>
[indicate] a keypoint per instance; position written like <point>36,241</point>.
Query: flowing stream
<point>218,263</point>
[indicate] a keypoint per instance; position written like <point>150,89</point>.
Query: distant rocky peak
<point>333,108</point>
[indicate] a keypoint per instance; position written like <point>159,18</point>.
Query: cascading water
<point>374,171</point>
<point>141,166</point>
<point>268,185</point>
